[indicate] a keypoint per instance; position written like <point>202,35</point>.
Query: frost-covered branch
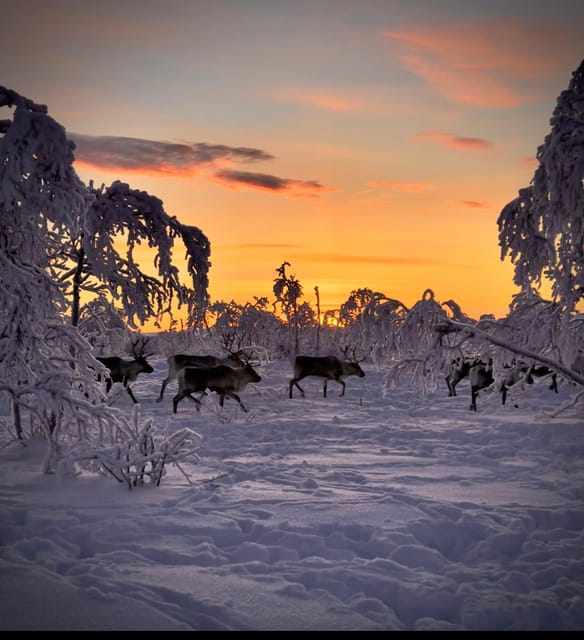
<point>119,212</point>
<point>542,230</point>
<point>450,326</point>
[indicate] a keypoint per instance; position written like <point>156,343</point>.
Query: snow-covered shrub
<point>140,453</point>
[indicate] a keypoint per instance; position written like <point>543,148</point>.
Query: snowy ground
<point>363,512</point>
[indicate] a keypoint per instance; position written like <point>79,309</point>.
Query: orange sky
<point>368,143</point>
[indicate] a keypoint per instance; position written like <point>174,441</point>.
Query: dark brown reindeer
<point>181,360</point>
<point>222,379</point>
<point>126,371</point>
<point>327,367</point>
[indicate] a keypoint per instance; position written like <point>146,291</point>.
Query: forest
<point>71,289</point>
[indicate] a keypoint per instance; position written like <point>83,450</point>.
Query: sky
<point>385,509</point>
<point>369,143</point>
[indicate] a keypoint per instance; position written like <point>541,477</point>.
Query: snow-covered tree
<point>371,322</point>
<point>542,230</point>
<point>288,291</point>
<point>103,327</point>
<point>100,258</point>
<point>249,328</point>
<point>46,368</point>
<point>419,354</point>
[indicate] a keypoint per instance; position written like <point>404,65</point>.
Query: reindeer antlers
<point>352,357</point>
<point>138,347</point>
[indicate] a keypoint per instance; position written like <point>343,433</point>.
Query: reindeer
<point>179,361</point>
<point>521,372</point>
<point>222,379</point>
<point>481,377</point>
<point>126,371</point>
<point>459,369</point>
<point>327,367</point>
<point>540,371</point>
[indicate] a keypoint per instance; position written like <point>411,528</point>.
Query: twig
<point>569,403</point>
<point>219,477</point>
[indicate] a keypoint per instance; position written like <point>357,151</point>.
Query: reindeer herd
<point>481,376</point>
<point>225,376</point>
<point>228,376</point>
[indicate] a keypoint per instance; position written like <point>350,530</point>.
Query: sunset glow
<point>369,144</point>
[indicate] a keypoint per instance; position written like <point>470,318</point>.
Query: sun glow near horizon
<point>370,145</point>
<point>400,245</point>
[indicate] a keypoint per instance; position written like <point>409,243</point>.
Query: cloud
<point>150,156</point>
<point>408,187</point>
<point>268,182</point>
<point>496,64</point>
<point>327,101</point>
<point>452,141</point>
<point>336,258</point>
<point>529,162</point>
<point>342,258</point>
<point>186,160</point>
<point>259,246</point>
<point>473,204</point>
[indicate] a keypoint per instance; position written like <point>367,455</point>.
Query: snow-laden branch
<point>451,326</point>
<point>542,229</point>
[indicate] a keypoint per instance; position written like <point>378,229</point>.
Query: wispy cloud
<point>408,187</point>
<point>528,162</point>
<point>342,258</point>
<point>497,64</point>
<point>329,101</point>
<point>452,141</point>
<point>334,258</point>
<point>472,204</point>
<point>268,182</point>
<point>152,156</point>
<point>258,246</point>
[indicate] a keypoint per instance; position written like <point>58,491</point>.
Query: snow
<point>384,509</point>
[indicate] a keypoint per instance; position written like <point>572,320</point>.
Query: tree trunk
<point>17,418</point>
<point>317,320</point>
<point>75,306</point>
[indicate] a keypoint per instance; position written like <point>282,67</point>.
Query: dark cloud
<point>267,181</point>
<point>135,154</point>
<point>183,160</point>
